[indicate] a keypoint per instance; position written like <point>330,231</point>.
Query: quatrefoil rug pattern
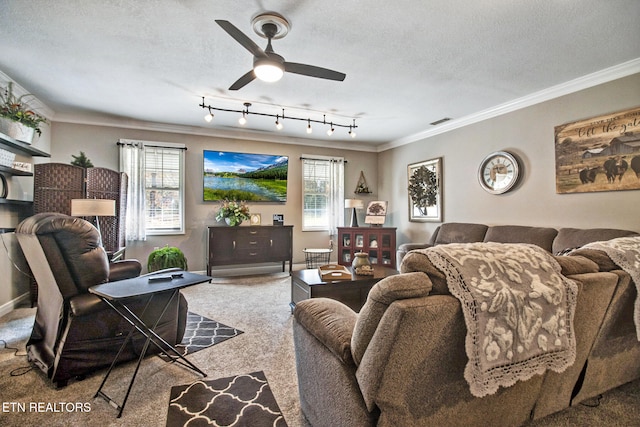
<point>238,401</point>
<point>202,332</point>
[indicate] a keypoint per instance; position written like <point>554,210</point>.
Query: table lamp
<point>93,207</point>
<point>353,204</point>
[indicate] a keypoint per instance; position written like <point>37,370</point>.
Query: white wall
<point>529,133</point>
<point>99,144</point>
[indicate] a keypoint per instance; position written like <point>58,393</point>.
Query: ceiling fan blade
<point>313,71</point>
<point>241,38</point>
<point>243,81</point>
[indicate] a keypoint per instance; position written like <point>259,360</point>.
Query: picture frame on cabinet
<point>425,190</point>
<point>255,219</point>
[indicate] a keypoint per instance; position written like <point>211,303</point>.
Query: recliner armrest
<point>125,269</point>
<point>86,303</point>
<point>331,322</point>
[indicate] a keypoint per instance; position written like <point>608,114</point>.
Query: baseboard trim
<point>8,307</point>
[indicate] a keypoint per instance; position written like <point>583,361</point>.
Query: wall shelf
<point>16,172</point>
<point>19,147</point>
<point>16,202</point>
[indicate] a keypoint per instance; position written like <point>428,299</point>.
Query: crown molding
<point>590,80</point>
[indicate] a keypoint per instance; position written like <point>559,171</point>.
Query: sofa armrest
<point>576,265</point>
<point>330,322</point>
<point>124,269</point>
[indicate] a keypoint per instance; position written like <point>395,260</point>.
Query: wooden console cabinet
<point>250,245</point>
<point>378,242</point>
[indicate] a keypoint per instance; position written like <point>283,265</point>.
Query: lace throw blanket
<point>625,253</point>
<point>518,310</point>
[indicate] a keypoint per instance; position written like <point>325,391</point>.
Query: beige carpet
<point>257,305</point>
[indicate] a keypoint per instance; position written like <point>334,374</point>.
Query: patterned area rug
<point>202,333</point>
<point>239,401</point>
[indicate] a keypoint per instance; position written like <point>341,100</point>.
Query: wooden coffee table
<point>306,284</point>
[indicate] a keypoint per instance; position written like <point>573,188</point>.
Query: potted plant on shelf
<point>17,120</point>
<point>233,212</point>
<point>166,257</point>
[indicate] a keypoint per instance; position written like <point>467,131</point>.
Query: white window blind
<point>164,190</point>
<point>323,193</point>
<point>155,202</point>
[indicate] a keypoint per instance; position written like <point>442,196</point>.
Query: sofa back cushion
<point>569,238</point>
<point>459,232</point>
<point>539,236</point>
<point>385,292</point>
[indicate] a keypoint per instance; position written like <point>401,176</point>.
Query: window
<point>163,190</point>
<point>322,193</point>
<point>155,199</point>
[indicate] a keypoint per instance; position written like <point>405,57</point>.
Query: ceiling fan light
<point>268,71</point>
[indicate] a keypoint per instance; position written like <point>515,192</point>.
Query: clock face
<point>498,172</point>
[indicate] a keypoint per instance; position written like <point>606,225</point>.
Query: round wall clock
<point>499,172</point>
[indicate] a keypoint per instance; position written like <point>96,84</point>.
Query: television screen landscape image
<point>242,176</point>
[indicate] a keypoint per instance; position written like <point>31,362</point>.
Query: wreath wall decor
<point>425,190</point>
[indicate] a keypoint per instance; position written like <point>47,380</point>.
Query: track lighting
<point>330,130</point>
<point>242,120</point>
<point>279,118</point>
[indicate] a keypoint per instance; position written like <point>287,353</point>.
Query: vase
<point>228,221</point>
<point>361,264</point>
<point>16,130</point>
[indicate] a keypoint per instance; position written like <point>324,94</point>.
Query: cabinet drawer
<point>250,255</point>
<point>251,242</point>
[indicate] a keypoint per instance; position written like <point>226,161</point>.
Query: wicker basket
<point>317,257</point>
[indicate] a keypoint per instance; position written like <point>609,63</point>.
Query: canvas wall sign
<point>599,154</point>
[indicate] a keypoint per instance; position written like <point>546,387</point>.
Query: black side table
<point>117,294</point>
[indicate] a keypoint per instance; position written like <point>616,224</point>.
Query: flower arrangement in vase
<point>233,212</point>
<point>17,120</point>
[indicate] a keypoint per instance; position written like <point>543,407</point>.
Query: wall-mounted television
<point>242,176</point>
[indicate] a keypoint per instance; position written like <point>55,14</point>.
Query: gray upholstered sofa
<point>554,241</point>
<point>401,360</point>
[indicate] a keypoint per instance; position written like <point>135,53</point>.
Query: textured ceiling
<point>408,63</point>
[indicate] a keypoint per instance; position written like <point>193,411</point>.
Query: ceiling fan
<point>268,65</point>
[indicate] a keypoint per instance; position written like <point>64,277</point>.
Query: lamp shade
<point>93,207</point>
<point>353,203</point>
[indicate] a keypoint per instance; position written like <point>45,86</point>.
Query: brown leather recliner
<point>75,332</point>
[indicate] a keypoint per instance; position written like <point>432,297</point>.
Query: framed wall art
<point>425,191</point>
<point>376,213</point>
<point>599,154</point>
